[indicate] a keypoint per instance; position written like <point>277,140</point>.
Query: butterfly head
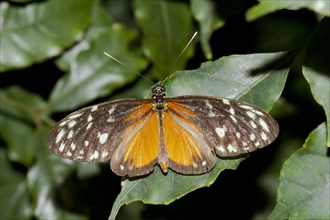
<point>158,95</point>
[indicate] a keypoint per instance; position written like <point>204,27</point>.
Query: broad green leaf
<point>316,68</point>
<point>100,22</point>
<point>303,192</point>
<point>166,27</point>
<point>236,76</point>
<point>269,179</point>
<point>92,74</point>
<point>205,14</point>
<point>256,78</point>
<point>164,189</point>
<point>266,7</point>
<point>14,197</point>
<point>20,113</point>
<point>42,179</point>
<point>18,103</point>
<point>34,33</point>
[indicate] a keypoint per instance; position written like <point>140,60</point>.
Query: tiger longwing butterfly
<point>182,133</point>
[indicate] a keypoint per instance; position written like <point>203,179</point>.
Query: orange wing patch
<point>138,150</point>
<point>187,151</point>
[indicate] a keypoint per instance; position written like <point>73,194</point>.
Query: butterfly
<point>183,133</point>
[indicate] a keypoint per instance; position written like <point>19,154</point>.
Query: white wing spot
<point>232,111</point>
<point>263,124</point>
<point>68,153</point>
<point>73,146</point>
<point>110,119</point>
<point>204,163</point>
<point>89,125</point>
<point>253,124</point>
<point>122,167</point>
<point>220,132</point>
<point>103,138</point>
<point>258,112</point>
<point>210,107</point>
<point>251,114</point>
<point>105,154</point>
<point>233,118</point>
<point>94,108</point>
<point>246,148</point>
<point>61,148</point>
<point>231,148</point>
<point>81,152</point>
<point>86,143</point>
<point>263,136</point>
<point>70,135</point>
<point>238,135</point>
<point>257,144</point>
<point>75,116</point>
<point>71,123</point>
<point>60,136</point>
<point>244,144</point>
<point>90,118</point>
<point>252,137</point>
<point>220,148</point>
<point>95,155</point>
<point>226,101</point>
<point>63,123</point>
<point>112,109</point>
<point>246,107</point>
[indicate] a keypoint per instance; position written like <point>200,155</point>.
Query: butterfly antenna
<point>127,67</point>
<point>184,49</point>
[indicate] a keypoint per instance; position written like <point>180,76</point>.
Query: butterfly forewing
<point>229,127</point>
<point>92,134</point>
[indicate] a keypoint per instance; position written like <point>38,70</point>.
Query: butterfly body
<point>182,133</point>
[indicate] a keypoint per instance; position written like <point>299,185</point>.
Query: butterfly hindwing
<point>187,150</point>
<point>229,127</point>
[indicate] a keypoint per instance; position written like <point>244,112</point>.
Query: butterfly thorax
<point>158,95</point>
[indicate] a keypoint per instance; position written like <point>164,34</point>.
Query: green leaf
<point>34,33</point>
<point>92,74</point>
<point>303,192</point>
<point>42,179</point>
<point>164,189</point>
<point>19,103</point>
<point>14,196</point>
<point>20,112</point>
<point>316,68</point>
<point>235,76</point>
<point>266,7</point>
<point>256,78</point>
<point>205,14</point>
<point>100,22</point>
<point>166,26</point>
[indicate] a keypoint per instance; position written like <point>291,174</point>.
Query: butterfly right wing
<point>110,130</point>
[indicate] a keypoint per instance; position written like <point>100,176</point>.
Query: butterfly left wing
<point>105,131</point>
<point>229,127</point>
